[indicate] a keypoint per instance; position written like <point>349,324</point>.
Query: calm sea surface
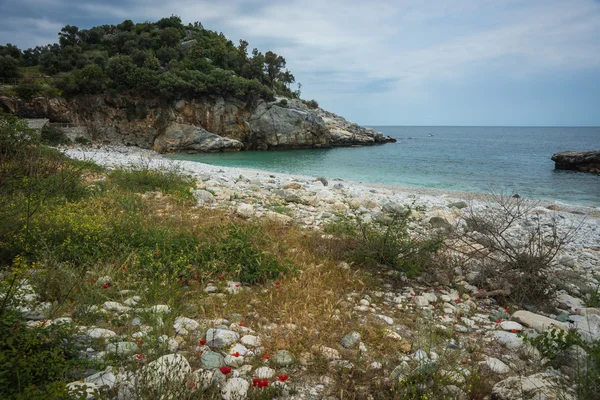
<point>474,159</point>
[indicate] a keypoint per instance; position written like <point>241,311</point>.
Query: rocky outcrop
<point>192,139</point>
<point>289,126</point>
<point>344,133</point>
<point>207,124</point>
<point>586,161</point>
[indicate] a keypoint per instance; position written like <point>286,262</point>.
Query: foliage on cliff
<point>163,58</point>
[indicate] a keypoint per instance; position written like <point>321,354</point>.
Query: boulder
<point>220,338</point>
<point>245,210</point>
<point>585,161</point>
<point>274,126</point>
<point>235,389</point>
<point>193,139</point>
<point>537,322</point>
<point>172,369</point>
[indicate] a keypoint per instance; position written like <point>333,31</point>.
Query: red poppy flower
<point>277,283</point>
<point>283,378</point>
<point>412,294</point>
<point>140,341</point>
<point>499,320</point>
<point>255,382</point>
<point>463,362</point>
<point>479,290</point>
<point>123,268</point>
<point>221,276</point>
<point>457,300</point>
<point>236,354</point>
<point>139,356</point>
<point>514,331</point>
<point>266,357</point>
<point>263,383</point>
<point>225,370</point>
<point>414,320</point>
<point>382,351</point>
<point>506,310</point>
<point>202,342</point>
<point>105,286</point>
<point>158,253</point>
<point>191,384</point>
<point>199,354</point>
<point>241,324</point>
<point>93,281</point>
<point>237,285</point>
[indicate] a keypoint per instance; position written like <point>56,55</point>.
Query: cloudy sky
<point>389,62</point>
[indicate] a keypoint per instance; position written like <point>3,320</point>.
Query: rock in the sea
<point>189,138</point>
<point>586,161</point>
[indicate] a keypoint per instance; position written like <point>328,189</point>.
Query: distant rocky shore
<point>585,161</point>
<point>211,124</point>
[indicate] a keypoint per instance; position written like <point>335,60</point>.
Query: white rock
<point>220,338</point>
<point>264,373</point>
<point>431,297</point>
<point>238,348</point>
<point>172,368</point>
<point>99,333</point>
<point>116,307</point>
<point>496,365</point>
<point>420,301</point>
<point>185,323</point>
<point>387,319</point>
<point>511,325</point>
<point>537,322</point>
<point>234,361</point>
<point>122,348</point>
<point>421,356</point>
<point>160,309</point>
<point>245,210</point>
<point>235,389</point>
<point>510,340</point>
<point>251,341</point>
<point>203,377</point>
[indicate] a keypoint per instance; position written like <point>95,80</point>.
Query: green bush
<point>386,241</point>
<point>28,90</point>
<point>54,136</point>
<point>312,104</point>
<point>83,140</point>
<point>34,361</point>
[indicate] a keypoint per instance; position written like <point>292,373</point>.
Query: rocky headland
<point>209,124</point>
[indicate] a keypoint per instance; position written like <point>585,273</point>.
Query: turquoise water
<point>469,159</point>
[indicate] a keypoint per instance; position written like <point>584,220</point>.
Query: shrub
<point>54,136</point>
<point>283,103</point>
<point>512,266</point>
<point>312,104</point>
<point>28,90</point>
<point>386,241</point>
<point>83,140</point>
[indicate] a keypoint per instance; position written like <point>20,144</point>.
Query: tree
<point>10,50</point>
<point>9,67</point>
<point>273,65</point>
<point>120,70</point>
<point>90,79</point>
<point>170,36</point>
<point>68,35</point>
<point>196,50</point>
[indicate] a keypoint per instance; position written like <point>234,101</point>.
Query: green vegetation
<point>385,242</point>
<point>53,136</point>
<point>164,58</point>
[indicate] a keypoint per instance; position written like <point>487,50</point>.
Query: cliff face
<point>200,125</point>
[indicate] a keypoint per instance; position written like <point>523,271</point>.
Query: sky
<point>389,62</point>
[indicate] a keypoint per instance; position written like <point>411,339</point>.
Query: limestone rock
<point>220,338</point>
<point>537,322</point>
<point>235,389</point>
<point>171,368</point>
<point>538,386</point>
<point>193,139</point>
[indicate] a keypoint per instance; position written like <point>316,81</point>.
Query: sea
<point>462,158</point>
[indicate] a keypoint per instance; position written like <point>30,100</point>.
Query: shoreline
<point>120,156</point>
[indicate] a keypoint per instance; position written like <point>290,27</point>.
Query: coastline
<point>122,156</point>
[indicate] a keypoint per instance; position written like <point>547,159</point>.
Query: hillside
<point>169,87</point>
